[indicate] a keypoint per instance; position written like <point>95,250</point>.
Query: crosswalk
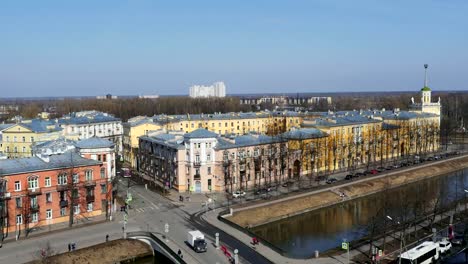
<point>145,209</point>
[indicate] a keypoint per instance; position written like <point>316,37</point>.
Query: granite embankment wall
<point>270,211</point>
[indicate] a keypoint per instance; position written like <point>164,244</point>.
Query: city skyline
<point>71,49</point>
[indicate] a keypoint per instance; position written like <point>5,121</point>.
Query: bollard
<point>236,256</point>
<point>231,211</point>
<point>146,186</point>
<point>217,240</point>
<point>316,254</point>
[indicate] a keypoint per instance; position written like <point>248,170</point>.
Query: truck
<point>196,240</point>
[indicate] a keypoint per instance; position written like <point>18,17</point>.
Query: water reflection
<point>323,229</point>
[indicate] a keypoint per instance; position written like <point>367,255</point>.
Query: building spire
<point>425,74</point>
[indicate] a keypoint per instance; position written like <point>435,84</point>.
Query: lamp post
<point>401,239</point>
<point>466,191</point>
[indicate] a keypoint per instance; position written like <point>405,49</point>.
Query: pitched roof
<point>34,164</point>
<point>94,142</point>
<point>5,126</point>
<point>201,133</point>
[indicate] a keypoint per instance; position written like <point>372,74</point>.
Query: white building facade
<point>217,89</point>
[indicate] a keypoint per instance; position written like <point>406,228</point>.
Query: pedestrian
<point>107,238</point>
<point>73,246</point>
<point>69,247</point>
<point>181,256</point>
<point>179,252</point>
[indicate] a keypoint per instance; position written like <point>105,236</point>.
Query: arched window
<point>33,182</point>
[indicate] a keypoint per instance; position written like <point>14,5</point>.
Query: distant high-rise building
<point>217,89</point>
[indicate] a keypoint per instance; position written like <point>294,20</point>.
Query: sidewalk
<point>54,228</point>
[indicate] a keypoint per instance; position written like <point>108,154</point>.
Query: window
<point>76,209</point>
<point>99,157</point>
<point>62,179</point>
<point>17,186</point>
<point>63,211</point>
<point>90,192</point>
<point>49,214</point>
<point>104,158</point>
<point>34,217</point>
<point>19,219</point>
<point>197,158</point>
<point>103,188</point>
<point>89,175</point>
<point>24,149</point>
<point>48,197</point>
<point>47,182</point>
<point>103,173</point>
<point>14,139</point>
<point>8,139</point>
<point>24,139</point>
<point>19,203</point>
<point>75,193</point>
<point>90,207</point>
<point>33,182</point>
<point>208,157</point>
<point>76,178</point>
<point>209,170</point>
<point>32,139</point>
<point>199,145</point>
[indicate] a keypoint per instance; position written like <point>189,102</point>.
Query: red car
<point>374,171</point>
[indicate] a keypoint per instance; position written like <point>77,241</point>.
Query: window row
<point>15,139</point>
<point>62,179</point>
<point>49,213</point>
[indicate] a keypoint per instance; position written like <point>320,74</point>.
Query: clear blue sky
<point>61,48</point>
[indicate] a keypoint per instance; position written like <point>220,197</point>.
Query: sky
<point>140,47</point>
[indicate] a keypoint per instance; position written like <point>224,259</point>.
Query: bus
<point>425,253</point>
<point>126,173</point>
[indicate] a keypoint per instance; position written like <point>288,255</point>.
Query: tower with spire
<point>426,105</point>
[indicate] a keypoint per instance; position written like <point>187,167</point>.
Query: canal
<point>326,228</point>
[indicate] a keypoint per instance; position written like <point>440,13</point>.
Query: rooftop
<point>94,142</point>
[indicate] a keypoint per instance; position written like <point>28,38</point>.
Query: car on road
<point>396,166</point>
<point>349,177</point>
<point>263,191</point>
<point>458,240</point>
<point>238,194</point>
<point>287,184</point>
<point>359,174</point>
<point>373,171</point>
<point>389,168</point>
<point>430,159</point>
<point>331,180</point>
<point>380,169</point>
<point>444,246</point>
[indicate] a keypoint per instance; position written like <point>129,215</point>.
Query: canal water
<point>324,229</point>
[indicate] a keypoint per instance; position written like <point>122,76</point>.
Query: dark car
<point>430,159</point>
<point>389,168</point>
<point>348,177</point>
<point>380,169</point>
<point>261,191</point>
<point>458,240</point>
<point>331,180</point>
<point>359,174</point>
<point>286,184</point>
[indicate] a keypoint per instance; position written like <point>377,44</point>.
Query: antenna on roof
<point>425,74</point>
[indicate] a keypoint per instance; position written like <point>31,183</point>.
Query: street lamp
<point>401,239</point>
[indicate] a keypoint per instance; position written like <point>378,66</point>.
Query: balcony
<point>90,198</point>
<point>5,196</point>
<point>63,187</point>
<point>63,203</point>
<point>34,191</point>
<point>242,167</point>
<point>197,163</point>
<point>34,207</point>
<point>197,177</point>
<point>90,183</point>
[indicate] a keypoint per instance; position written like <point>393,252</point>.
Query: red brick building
<point>44,190</point>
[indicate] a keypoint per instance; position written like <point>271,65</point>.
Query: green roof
<point>425,89</point>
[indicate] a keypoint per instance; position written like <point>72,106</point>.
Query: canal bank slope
<point>270,211</point>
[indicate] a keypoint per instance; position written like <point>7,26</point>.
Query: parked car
<point>286,184</point>
<point>380,169</point>
<point>238,194</point>
<point>396,166</point>
<point>331,180</point>
<point>374,171</point>
<point>389,168</point>
<point>263,191</point>
<point>348,177</point>
<point>430,159</point>
<point>358,174</point>
<point>445,246</point>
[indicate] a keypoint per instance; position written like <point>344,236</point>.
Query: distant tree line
<point>454,106</point>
